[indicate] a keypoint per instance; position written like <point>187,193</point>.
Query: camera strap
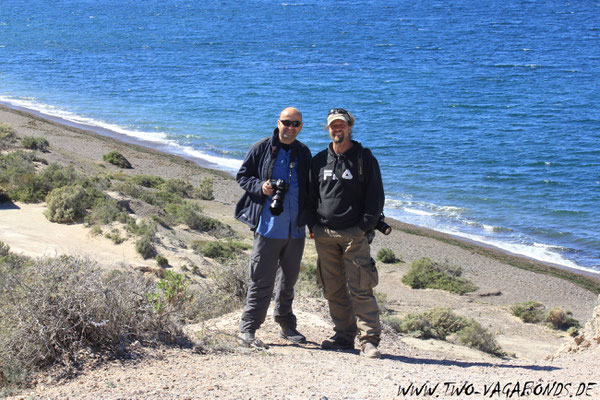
<point>292,165</point>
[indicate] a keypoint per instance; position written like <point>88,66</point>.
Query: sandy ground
<point>304,372</point>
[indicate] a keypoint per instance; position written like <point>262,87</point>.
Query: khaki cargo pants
<point>348,275</point>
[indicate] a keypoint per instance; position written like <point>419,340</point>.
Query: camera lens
<point>280,188</point>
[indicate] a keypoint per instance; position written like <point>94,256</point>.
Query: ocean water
<point>484,115</point>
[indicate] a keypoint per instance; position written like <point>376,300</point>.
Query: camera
<point>382,226</point>
<point>280,187</point>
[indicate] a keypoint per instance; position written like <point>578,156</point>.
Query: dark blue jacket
<point>258,167</point>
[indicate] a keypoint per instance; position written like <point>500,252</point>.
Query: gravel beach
<point>306,372</point>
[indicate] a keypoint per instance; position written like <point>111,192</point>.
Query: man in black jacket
<point>279,226</point>
<point>347,199</point>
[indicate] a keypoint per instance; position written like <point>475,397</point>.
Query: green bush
<point>16,169</point>
<point>573,331</point>
<point>189,214</point>
<point>162,261</point>
<point>115,236</point>
<point>439,323</point>
<point>116,158</point>
<point>106,210</point>
<point>143,228</point>
<point>149,181</point>
<point>145,247</point>
<point>160,198</point>
<point>54,308</point>
<point>7,135</point>
<point>20,181</point>
<point>172,293</point>
<point>477,337</point>
<point>129,189</point>
<point>425,273</point>
<point>529,311</point>
<point>215,249</point>
<point>387,256</point>
<point>178,187</point>
<point>35,143</point>
<point>205,190</point>
<point>70,203</point>
<point>557,318</point>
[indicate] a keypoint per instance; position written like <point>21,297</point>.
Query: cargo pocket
<point>369,278</point>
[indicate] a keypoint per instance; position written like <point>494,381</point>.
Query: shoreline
<point>518,260</point>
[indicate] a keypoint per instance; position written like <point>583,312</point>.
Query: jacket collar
<point>356,146</point>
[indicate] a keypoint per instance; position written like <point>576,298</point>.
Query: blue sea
<point>484,115</point>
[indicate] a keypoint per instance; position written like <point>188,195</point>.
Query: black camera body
<point>382,226</point>
<point>280,187</point>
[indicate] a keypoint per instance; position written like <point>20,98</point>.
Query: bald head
<point>291,112</point>
<point>289,125</point>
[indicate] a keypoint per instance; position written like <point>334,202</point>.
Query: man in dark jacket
<point>347,199</point>
<point>278,224</point>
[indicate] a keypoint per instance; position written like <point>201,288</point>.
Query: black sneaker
<point>292,335</point>
<point>337,343</point>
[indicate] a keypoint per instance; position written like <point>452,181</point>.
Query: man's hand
<point>267,189</point>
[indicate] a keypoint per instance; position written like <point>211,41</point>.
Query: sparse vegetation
<point>162,261</point>
<point>149,181</point>
<point>387,256</point>
<point>205,189</point>
<point>19,180</point>
<point>53,308</point>
<point>440,323</point>
<point>106,210</point>
<point>172,293</point>
<point>529,311</point>
<point>35,143</point>
<point>528,265</point>
<point>118,159</point>
<point>219,250</point>
<point>115,236</point>
<point>555,318</point>
<point>307,283</point>
<point>425,273</point>
<point>178,187</point>
<point>145,247</point>
<point>7,135</point>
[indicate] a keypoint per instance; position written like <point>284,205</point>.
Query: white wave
<point>30,104</point>
<point>488,228</point>
<point>539,252</point>
<point>418,212</point>
<point>451,209</point>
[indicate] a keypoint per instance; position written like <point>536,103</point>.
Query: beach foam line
<point>537,251</point>
<point>158,140</point>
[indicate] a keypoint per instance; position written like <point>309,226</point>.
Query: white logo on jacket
<point>328,173</point>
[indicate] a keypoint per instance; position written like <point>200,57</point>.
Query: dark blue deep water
<point>484,115</point>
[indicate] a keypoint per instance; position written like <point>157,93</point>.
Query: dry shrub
<point>50,309</point>
<point>224,292</point>
<point>557,318</point>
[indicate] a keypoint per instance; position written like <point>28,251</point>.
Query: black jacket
<point>342,196</point>
<point>257,167</point>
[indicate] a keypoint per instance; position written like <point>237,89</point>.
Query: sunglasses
<point>338,111</point>
<point>288,122</point>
